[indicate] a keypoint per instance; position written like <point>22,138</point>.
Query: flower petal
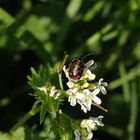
<point>88,104</point>
<point>98,120</point>
<point>83,107</point>
<point>70,84</point>
<point>42,89</point>
<point>96,91</point>
<point>72,101</point>
<point>97,100</point>
<point>100,81</point>
<point>80,96</point>
<point>103,90</point>
<point>104,84</point>
<point>86,91</point>
<point>77,134</point>
<point>83,124</point>
<point>89,63</point>
<point>92,125</point>
<point>87,72</point>
<point>90,135</point>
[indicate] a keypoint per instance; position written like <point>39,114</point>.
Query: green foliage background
<point>40,31</point>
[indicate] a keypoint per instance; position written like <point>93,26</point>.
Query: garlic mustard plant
<point>82,89</point>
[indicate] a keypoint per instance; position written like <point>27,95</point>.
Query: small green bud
<point>91,86</point>
<point>48,84</point>
<point>85,85</point>
<point>53,87</point>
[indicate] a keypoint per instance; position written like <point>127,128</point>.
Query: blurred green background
<point>33,32</point>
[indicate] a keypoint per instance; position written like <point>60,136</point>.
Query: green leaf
<point>18,134</point>
<point>93,10</point>
<point>73,8</point>
<point>6,18</point>
<point>44,109</point>
<point>28,39</point>
<point>45,74</point>
<point>110,36</point>
<point>44,77</point>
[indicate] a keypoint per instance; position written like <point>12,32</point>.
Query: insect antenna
<point>86,56</point>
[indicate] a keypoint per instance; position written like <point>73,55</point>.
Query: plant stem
<point>133,112</point>
<point>125,86</point>
<point>60,80</point>
<point>60,71</point>
<point>63,63</point>
<point>100,107</point>
<point>130,76</point>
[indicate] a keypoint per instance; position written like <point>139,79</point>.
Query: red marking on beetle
<point>78,76</point>
<point>70,74</point>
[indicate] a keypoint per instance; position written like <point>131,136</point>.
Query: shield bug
<point>77,66</point>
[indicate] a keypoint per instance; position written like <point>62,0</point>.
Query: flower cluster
<point>83,91</point>
<point>53,92</point>
<point>88,124</point>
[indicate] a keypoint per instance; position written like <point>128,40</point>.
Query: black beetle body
<point>76,68</point>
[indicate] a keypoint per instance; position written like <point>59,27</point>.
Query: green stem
<point>130,76</point>
<point>100,107</point>
<point>63,63</point>
<point>133,112</point>
<point>125,86</point>
<point>60,80</point>
<point>60,71</point>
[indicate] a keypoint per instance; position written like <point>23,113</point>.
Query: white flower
<point>91,123</point>
<point>89,96</point>
<point>89,136</point>
<point>88,74</point>
<point>98,120</point>
<point>43,88</point>
<point>101,86</point>
<point>88,124</point>
<point>96,99</point>
<point>77,134</point>
<point>87,102</point>
<point>74,95</point>
<point>70,84</point>
<point>88,99</point>
<point>83,106</point>
<point>55,93</point>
